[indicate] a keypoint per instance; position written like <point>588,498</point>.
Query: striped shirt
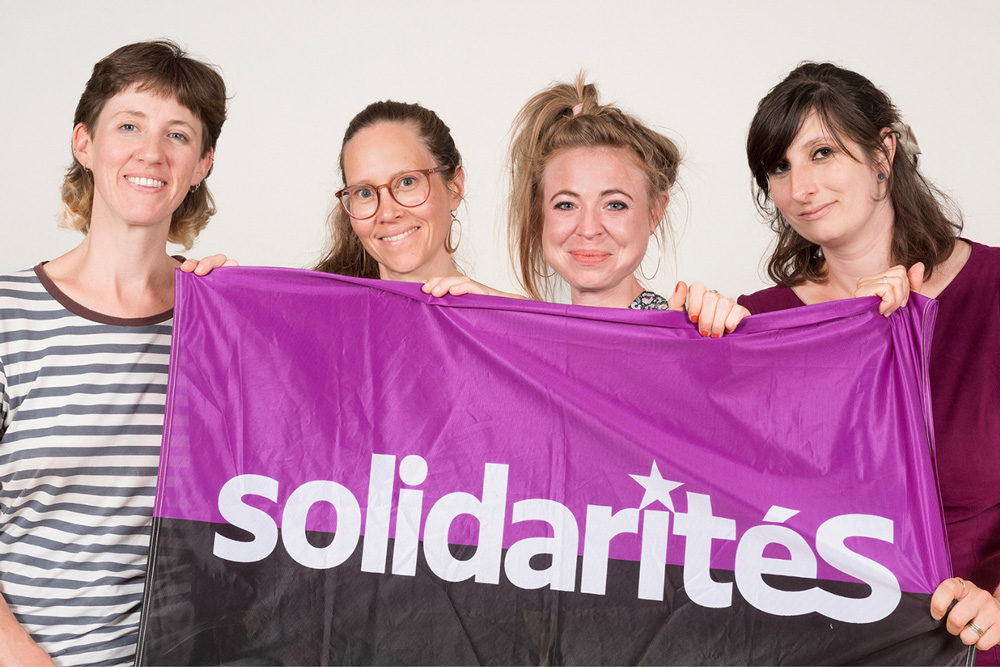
<point>81,417</point>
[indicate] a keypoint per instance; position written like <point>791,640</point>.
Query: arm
<point>16,646</point>
<point>975,618</point>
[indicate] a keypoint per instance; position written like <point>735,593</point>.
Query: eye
<point>178,136</point>
<point>128,127</point>
<point>362,192</point>
<point>779,169</point>
<point>406,181</point>
<point>616,206</point>
<point>564,206</point>
<point>821,153</point>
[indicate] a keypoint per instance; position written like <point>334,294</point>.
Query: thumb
<point>916,276</point>
<point>679,297</point>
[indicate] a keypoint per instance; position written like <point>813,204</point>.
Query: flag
<point>356,472</point>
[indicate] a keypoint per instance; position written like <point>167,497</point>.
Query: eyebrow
<point>604,193</point>
<point>139,114</point>
<point>391,179</point>
<point>818,139</point>
<point>616,191</point>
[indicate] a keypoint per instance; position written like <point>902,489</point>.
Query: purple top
<point>965,390</point>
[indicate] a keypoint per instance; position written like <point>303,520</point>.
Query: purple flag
<point>356,472</point>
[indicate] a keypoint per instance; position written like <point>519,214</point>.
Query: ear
<point>656,211</point>
<point>456,187</point>
<point>889,144</point>
<point>81,145</point>
<point>204,166</point>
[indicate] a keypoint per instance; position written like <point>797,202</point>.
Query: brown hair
<point>848,105</point>
<point>345,254</point>
<point>163,68</point>
<point>561,117</point>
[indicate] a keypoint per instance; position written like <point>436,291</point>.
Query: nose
<point>150,149</point>
<point>591,225</point>
<point>803,184</point>
<point>388,208</point>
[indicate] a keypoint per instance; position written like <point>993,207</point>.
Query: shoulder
<point>981,270</point>
<point>984,258</point>
<point>979,275</point>
<point>20,287</point>
<point>649,301</point>
<point>770,299</point>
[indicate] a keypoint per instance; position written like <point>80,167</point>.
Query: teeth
<point>146,182</point>
<point>401,235</point>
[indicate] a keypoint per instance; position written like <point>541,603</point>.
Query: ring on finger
<point>975,628</point>
<point>716,292</point>
<point>885,279</point>
<point>964,587</point>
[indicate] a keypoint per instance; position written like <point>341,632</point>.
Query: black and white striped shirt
<point>81,417</point>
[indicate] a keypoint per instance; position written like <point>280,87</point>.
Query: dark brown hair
<point>848,105</point>
<point>345,254</point>
<point>163,68</point>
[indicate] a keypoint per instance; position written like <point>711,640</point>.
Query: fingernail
<point>704,333</point>
<point>677,288</point>
<point>694,318</point>
<point>715,335</point>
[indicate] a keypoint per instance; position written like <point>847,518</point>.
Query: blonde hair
<point>562,117</point>
<point>163,68</point>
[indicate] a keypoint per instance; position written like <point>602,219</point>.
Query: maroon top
<point>965,395</point>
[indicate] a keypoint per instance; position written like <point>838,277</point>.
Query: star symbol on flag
<point>656,488</point>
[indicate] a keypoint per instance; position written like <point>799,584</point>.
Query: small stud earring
<point>881,177</point>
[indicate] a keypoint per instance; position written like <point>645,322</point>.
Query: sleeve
<point>4,402</point>
<point>747,301</point>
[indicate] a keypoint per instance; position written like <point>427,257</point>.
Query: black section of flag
<point>201,610</point>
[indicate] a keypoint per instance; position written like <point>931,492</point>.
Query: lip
<point>398,237</point>
<point>589,257</point>
<point>816,213</point>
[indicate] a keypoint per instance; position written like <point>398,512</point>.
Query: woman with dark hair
<point>836,176</point>
<point>397,213</point>
<point>84,346</point>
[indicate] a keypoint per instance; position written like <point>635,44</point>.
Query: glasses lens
<point>411,189</point>
<point>361,201</point>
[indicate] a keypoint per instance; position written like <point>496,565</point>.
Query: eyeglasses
<point>409,189</point>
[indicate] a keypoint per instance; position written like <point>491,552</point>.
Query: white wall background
<point>298,71</point>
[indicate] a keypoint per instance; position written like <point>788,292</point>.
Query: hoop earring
<point>194,188</point>
<point>542,275</point>
<point>447,243</point>
<point>659,252</point>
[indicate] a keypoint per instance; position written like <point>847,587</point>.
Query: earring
<point>447,243</point>
<point>194,188</point>
<point>659,254</point>
<point>544,276</point>
<point>881,177</point>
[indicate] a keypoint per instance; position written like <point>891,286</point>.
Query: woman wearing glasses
<point>404,181</point>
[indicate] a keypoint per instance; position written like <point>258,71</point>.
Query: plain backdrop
<point>298,71</point>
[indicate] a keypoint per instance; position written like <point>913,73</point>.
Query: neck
<point>869,253</point>
<point>122,273</point>
<point>618,296</point>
